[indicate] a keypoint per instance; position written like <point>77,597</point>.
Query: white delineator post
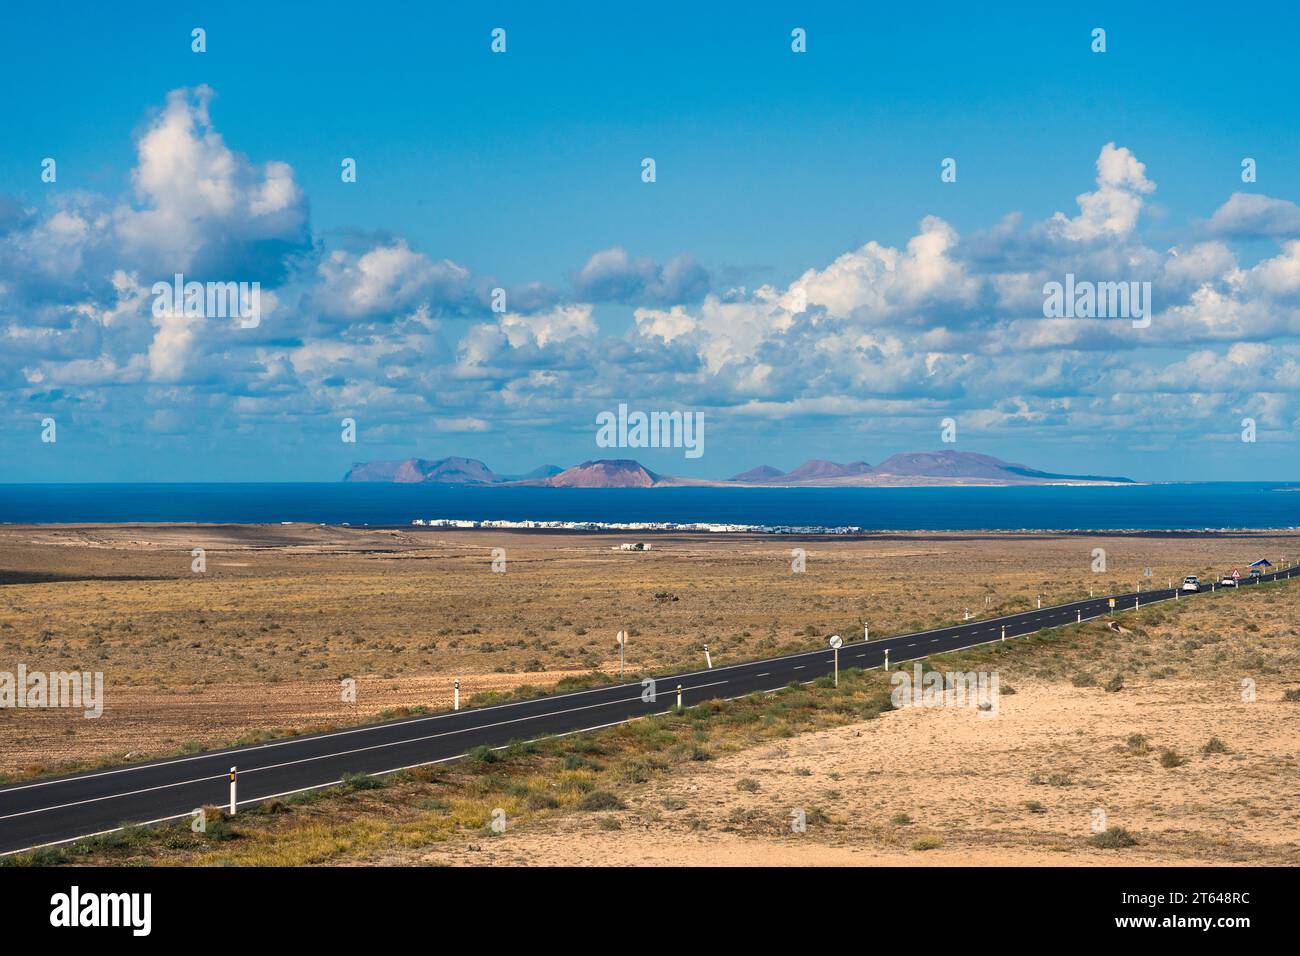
<point>886,658</point>
<point>1040,601</point>
<point>707,658</point>
<point>233,802</point>
<point>1080,618</point>
<point>455,700</point>
<point>679,696</point>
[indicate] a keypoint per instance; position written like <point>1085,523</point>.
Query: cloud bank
<point>895,335</point>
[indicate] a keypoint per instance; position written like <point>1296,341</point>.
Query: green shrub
<point>1113,838</point>
<point>221,831</point>
<point>541,801</point>
<point>361,781</point>
<point>1171,758</point>
<point>45,856</point>
<point>601,800</point>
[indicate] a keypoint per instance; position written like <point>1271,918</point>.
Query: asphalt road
<point>64,808</point>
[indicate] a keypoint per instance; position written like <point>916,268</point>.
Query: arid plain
<point>1140,727</point>
<point>260,640</point>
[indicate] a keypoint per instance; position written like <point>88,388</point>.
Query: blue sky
<point>777,173</point>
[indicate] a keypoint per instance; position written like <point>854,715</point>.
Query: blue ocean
<point>1139,507</point>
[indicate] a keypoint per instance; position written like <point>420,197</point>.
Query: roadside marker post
<point>1080,619</point>
<point>707,658</point>
<point>1040,602</point>
<point>233,802</point>
<point>1004,632</point>
<point>679,696</point>
<point>886,658</point>
<point>866,631</point>
<point>455,703</point>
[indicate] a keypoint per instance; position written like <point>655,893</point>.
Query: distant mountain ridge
<point>967,464</point>
<point>761,473</point>
<point>901,470</point>
<point>447,471</point>
<point>817,468</point>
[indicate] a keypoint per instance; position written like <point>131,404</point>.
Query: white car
<point>1227,581</point>
<point>1191,583</point>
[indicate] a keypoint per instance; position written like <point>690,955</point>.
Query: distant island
<point>911,469</point>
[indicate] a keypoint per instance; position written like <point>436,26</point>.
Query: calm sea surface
<point>1179,506</point>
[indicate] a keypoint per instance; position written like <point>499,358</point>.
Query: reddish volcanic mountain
<point>604,473</point>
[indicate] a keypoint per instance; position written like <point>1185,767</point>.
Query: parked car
<point>1191,583</point>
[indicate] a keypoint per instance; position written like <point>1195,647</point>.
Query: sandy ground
<point>964,780</point>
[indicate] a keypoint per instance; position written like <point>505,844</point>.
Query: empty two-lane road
<point>64,808</point>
